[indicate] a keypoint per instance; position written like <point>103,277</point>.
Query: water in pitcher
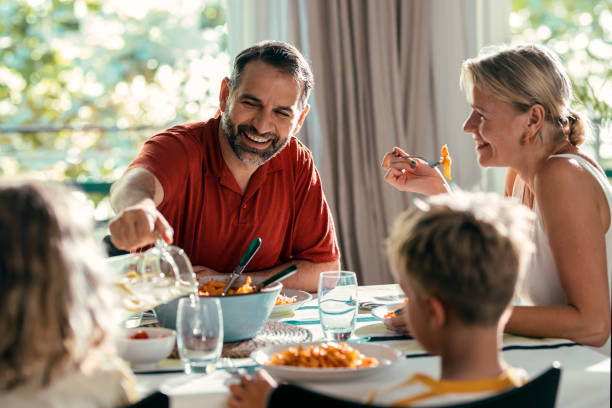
<point>148,279</point>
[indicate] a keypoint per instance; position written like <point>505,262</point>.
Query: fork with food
<point>408,172</point>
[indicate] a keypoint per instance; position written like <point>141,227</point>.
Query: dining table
<point>585,377</point>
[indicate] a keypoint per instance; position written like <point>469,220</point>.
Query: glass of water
<point>199,333</point>
<point>337,296</point>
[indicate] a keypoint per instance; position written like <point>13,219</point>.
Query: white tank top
<point>541,285</point>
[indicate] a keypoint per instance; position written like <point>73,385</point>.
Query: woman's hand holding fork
<point>414,174</point>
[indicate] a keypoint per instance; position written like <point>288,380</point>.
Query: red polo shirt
<point>214,221</point>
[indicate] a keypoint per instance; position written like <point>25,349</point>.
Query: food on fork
<point>392,314</point>
<point>446,161</point>
<point>396,312</point>
<point>323,355</point>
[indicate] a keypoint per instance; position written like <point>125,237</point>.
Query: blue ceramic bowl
<point>243,315</point>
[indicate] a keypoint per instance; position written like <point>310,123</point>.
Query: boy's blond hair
<point>467,249</point>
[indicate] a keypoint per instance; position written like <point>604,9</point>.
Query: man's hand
<point>205,271</point>
<point>306,278</point>
<point>203,274</point>
<point>139,225</point>
<point>135,197</point>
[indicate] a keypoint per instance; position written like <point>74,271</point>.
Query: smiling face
<point>261,113</point>
<point>497,128</point>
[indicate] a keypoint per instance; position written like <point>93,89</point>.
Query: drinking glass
<point>199,333</point>
<point>337,296</point>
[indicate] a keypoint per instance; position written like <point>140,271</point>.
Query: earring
<point>526,139</point>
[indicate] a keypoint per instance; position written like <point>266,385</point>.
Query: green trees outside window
<point>580,32</point>
<point>84,82</point>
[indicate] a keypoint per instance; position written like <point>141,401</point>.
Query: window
<point>580,32</point>
<point>84,82</point>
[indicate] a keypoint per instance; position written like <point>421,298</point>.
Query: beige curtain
<point>253,21</point>
<point>371,61</point>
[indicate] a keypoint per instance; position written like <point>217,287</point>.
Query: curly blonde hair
<point>523,76</point>
<point>54,318</point>
<point>468,249</point>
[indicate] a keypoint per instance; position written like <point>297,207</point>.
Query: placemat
<point>272,333</point>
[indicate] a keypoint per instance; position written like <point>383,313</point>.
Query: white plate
<point>301,296</point>
<point>384,354</point>
<point>381,311</point>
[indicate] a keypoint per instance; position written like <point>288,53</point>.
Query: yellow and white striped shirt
<point>423,390</point>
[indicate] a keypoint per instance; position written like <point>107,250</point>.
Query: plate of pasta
<point>318,361</point>
<point>289,300</point>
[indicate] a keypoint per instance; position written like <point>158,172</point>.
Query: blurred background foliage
<point>84,82</point>
<point>580,32</point>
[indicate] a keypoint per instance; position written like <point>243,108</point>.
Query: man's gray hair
<point>284,57</point>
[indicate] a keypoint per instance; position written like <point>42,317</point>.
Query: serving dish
<point>244,315</point>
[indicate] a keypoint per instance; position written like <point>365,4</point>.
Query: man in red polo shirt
<point>211,187</point>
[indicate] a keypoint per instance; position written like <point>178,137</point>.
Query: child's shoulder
<point>423,390</point>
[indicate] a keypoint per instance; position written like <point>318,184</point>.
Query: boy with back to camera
<point>458,259</point>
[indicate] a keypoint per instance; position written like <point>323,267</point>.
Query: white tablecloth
<point>585,379</point>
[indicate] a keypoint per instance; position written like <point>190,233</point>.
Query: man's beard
<point>249,155</point>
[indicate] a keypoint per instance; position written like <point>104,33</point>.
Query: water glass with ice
<point>199,333</point>
<point>338,303</point>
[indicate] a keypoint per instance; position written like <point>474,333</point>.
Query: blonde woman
<point>56,345</point>
<point>521,119</point>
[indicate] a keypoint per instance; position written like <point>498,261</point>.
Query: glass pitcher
<point>153,277</point>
